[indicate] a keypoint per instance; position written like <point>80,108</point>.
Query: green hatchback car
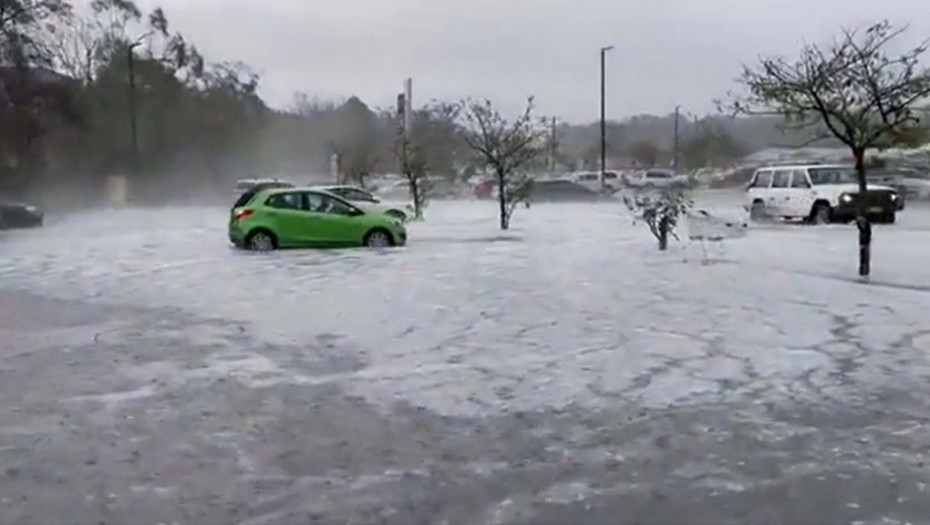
<point>302,217</point>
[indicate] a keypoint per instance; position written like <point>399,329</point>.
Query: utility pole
<point>675,160</point>
<point>604,51</point>
<point>553,144</point>
<point>408,107</point>
<point>402,131</point>
<point>405,121</point>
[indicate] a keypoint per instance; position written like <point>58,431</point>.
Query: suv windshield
<point>832,176</point>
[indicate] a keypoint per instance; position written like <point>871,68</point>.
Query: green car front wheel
<point>379,239</point>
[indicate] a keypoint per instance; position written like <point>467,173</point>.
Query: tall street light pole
<point>133,124</point>
<point>604,51</point>
<point>675,160</point>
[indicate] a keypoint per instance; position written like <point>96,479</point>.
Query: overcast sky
<point>667,52</point>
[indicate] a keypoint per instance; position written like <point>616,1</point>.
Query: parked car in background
<point>592,181</point>
<point>818,193</point>
<point>246,185</point>
<point>366,200</point>
<point>309,217</point>
<point>19,215</point>
<point>910,188</point>
<point>484,188</point>
<point>563,190</point>
<point>437,188</point>
<point>654,179</point>
<point>246,189</point>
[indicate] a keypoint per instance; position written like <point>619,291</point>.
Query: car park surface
<point>563,372</point>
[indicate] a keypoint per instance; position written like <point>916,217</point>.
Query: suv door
<point>778,202</point>
<point>802,196</point>
<point>759,187</point>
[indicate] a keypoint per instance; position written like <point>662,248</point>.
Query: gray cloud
<point>667,51</point>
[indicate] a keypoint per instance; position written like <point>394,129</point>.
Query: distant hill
<point>748,134</point>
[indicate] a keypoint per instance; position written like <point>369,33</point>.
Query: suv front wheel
<point>821,213</point>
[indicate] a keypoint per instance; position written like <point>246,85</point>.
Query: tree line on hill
<point>118,91</point>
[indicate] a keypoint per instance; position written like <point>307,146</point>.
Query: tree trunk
<point>859,156</point>
<point>865,245</point>
<point>862,221</point>
<point>415,193</point>
<point>502,199</point>
<point>663,234</point>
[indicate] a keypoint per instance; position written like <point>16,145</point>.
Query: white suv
<point>592,181</point>
<point>818,193</point>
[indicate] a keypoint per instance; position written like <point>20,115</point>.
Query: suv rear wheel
<point>757,211</point>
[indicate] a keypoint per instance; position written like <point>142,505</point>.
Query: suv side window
<point>286,201</point>
<point>763,179</point>
<point>781,178</point>
<point>799,179</point>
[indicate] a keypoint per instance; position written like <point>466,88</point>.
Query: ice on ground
<point>574,306</point>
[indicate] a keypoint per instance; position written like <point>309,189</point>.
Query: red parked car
<point>484,189</point>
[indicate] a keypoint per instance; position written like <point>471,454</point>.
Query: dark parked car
<point>17,215</point>
<point>562,190</point>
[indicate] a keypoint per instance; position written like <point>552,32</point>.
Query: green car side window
<point>315,203</point>
<point>338,207</point>
<point>319,203</point>
<point>285,201</point>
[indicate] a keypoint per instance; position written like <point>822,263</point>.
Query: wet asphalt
<point>564,372</point>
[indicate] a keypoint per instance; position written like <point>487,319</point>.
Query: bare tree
<point>20,24</point>
<point>507,148</point>
<point>646,153</point>
<point>358,160</point>
<point>413,168</point>
<point>660,211</point>
<point>431,146</point>
<point>74,46</point>
<point>854,89</point>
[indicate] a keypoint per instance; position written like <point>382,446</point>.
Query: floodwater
<point>562,372</point>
